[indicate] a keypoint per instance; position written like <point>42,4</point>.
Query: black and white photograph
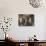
<point>26,19</point>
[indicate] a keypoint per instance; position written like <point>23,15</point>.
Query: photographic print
<point>26,19</point>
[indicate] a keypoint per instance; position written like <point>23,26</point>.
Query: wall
<point>11,8</point>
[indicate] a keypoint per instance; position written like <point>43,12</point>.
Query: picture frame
<point>26,19</point>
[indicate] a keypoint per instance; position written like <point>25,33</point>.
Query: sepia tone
<point>26,20</point>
